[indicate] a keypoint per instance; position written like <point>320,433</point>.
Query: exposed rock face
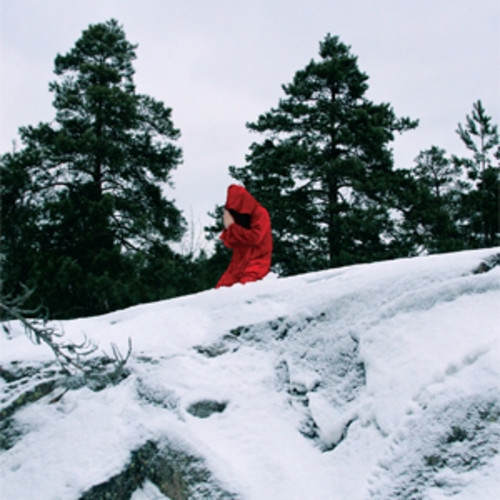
<point>206,407</point>
<point>178,474</point>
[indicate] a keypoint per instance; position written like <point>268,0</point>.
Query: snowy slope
<point>372,381</point>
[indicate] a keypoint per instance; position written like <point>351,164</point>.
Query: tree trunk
<point>334,230</point>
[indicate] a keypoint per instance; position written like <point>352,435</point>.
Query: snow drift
<point>371,381</point>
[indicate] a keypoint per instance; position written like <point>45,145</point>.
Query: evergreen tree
<point>482,139</point>
<point>323,168</point>
<point>18,228</point>
<point>479,217</point>
<point>82,203</point>
<point>430,194</point>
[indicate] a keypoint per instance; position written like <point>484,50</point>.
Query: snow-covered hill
<point>377,381</point>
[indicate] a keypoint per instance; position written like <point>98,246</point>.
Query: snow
<point>370,381</point>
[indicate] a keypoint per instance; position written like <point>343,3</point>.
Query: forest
<point>86,227</point>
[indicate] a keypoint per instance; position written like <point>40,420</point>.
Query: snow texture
<point>371,381</point>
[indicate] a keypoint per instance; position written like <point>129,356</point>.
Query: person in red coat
<point>248,233</point>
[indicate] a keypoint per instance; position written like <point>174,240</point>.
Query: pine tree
<point>479,218</point>
<point>429,200</point>
<point>323,168</point>
<point>92,181</point>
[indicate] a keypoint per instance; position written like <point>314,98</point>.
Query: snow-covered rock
<point>372,381</point>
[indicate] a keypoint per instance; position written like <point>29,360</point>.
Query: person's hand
<point>227,218</point>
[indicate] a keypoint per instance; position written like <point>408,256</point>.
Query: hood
<point>240,200</point>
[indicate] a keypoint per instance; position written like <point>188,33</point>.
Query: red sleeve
<point>236,235</point>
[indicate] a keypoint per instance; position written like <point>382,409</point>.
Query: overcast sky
<point>221,63</point>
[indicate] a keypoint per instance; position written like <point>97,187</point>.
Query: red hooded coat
<point>252,248</point>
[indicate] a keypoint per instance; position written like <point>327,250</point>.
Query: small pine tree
<point>479,217</point>
<point>436,206</point>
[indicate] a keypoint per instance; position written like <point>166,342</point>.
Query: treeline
<point>87,226</point>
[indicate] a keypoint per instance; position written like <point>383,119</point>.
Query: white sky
<point>221,63</point>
